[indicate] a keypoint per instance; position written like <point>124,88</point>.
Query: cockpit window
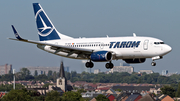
<point>161,42</point>
<point>156,43</point>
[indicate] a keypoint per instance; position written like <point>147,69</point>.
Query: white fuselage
<point>121,47</point>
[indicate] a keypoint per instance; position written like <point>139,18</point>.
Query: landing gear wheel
<point>109,65</point>
<point>153,63</point>
<point>89,64</point>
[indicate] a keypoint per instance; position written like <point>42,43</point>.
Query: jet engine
<point>139,60</point>
<point>101,56</point>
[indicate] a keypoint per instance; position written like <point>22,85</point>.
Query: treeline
<point>31,95</point>
<point>73,76</point>
<point>8,87</point>
<point>124,77</point>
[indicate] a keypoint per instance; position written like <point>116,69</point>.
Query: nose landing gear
<point>155,58</point>
<point>153,63</point>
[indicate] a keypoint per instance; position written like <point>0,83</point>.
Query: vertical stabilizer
<point>46,29</point>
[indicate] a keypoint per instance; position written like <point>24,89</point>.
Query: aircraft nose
<point>168,48</point>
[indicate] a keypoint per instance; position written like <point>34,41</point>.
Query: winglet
<point>16,33</point>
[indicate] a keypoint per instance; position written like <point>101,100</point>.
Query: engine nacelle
<point>101,56</point>
<point>140,60</point>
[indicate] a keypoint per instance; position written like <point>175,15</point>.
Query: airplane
<point>131,49</point>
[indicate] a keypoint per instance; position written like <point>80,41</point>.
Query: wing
<point>58,48</point>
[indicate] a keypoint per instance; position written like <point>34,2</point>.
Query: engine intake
<point>139,60</point>
<point>101,56</point>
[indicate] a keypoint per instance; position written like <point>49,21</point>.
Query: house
<point>110,91</point>
<point>122,97</point>
<point>156,91</point>
<point>60,86</point>
<point>43,83</point>
<point>90,86</point>
<point>110,97</point>
<point>102,89</point>
<point>87,94</point>
<point>41,91</point>
<point>58,89</point>
<point>164,97</point>
<point>2,94</point>
<point>147,97</point>
<point>132,88</point>
<point>134,97</point>
<point>93,98</point>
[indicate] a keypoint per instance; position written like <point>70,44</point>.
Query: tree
<point>71,96</point>
<point>50,73</point>
<point>41,77</point>
<point>17,95</point>
<point>47,85</point>
<point>81,91</point>
<point>25,72</point>
<point>7,77</point>
<point>23,95</point>
<point>54,76</point>
<point>8,87</point>
<point>101,97</point>
<point>38,98</point>
<point>118,90</point>
<point>35,73</point>
<point>178,91</point>
<point>53,96</point>
<point>10,71</point>
<point>67,74</point>
<point>168,90</point>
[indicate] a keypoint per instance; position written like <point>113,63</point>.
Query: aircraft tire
<point>153,63</point>
<point>109,65</point>
<point>89,64</point>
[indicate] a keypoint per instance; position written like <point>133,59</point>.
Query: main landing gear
<point>90,64</point>
<point>109,65</point>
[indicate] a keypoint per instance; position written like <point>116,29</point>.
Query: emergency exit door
<point>146,44</point>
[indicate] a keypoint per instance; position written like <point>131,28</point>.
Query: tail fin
<point>46,29</point>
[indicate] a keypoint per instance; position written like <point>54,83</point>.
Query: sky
<point>89,18</point>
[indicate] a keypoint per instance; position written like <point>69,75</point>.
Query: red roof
<point>1,94</point>
<point>93,85</point>
<point>110,97</point>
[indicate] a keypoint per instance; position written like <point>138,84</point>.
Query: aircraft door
<point>102,45</point>
<point>145,45</point>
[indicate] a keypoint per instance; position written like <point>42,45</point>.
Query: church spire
<point>61,71</point>
<point>61,80</point>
